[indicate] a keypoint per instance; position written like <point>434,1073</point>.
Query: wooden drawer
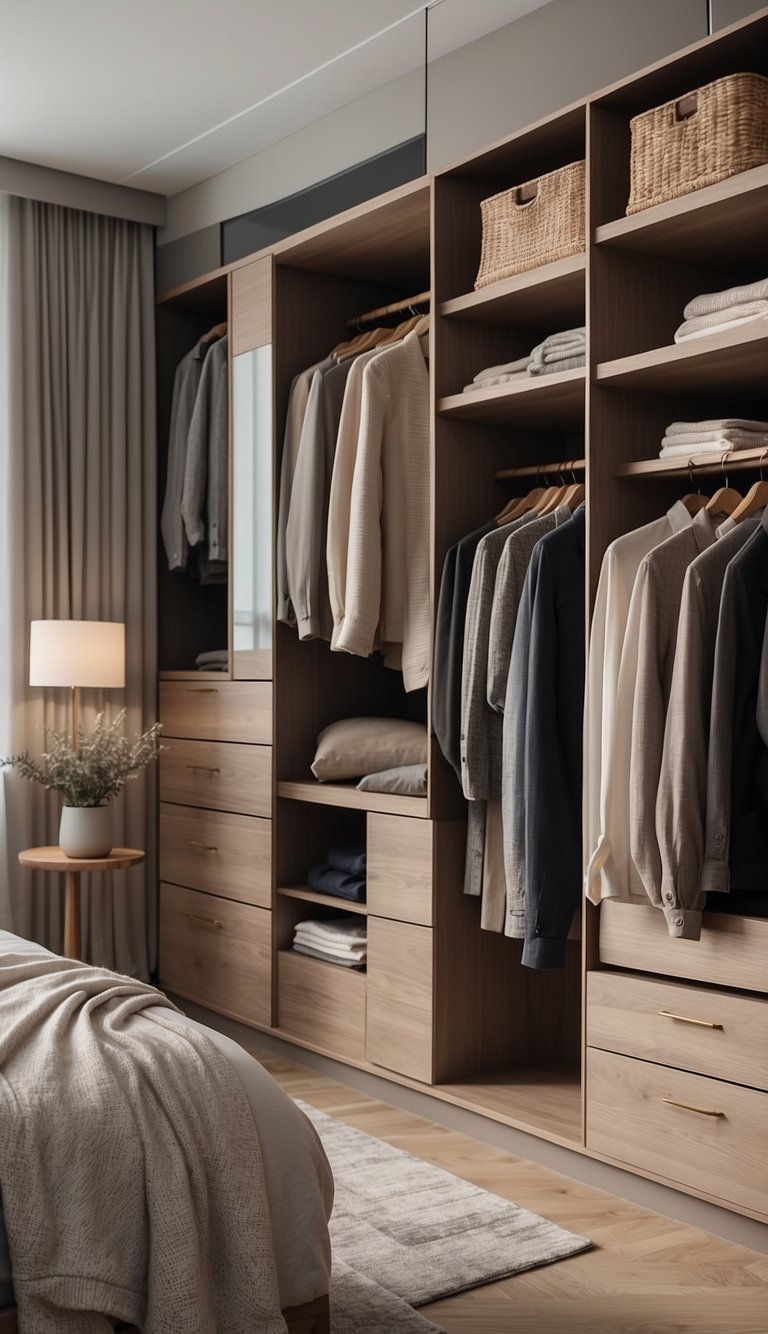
<point>231,711</point>
<point>710,1032</point>
<point>220,776</point>
<point>399,1008</point>
<point>399,868</point>
<point>720,1150</point>
<point>217,953</point>
<point>732,951</point>
<point>224,854</point>
<point>322,1003</point>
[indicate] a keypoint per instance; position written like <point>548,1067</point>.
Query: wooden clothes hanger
<point>218,331</point>
<point>756,497</point>
<point>725,500</point>
<point>694,500</point>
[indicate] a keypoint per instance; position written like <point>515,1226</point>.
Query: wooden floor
<point>646,1275</point>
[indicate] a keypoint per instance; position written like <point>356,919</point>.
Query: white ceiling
<point>162,94</point>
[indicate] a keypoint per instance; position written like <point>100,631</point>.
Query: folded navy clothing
<point>325,879</point>
<point>349,858</point>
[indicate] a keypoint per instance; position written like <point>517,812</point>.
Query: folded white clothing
<point>718,323</point>
<point>730,296</point>
<point>554,367</point>
<point>333,946</point>
<point>357,956</point>
<point>214,656</point>
<point>328,958</point>
<point>339,930</point>
<point>564,353</point>
<point>507,368</point>
<point>714,424</point>
<point>567,336</point>
<point>676,450</point>
<point>729,439</point>
<point>511,378</point>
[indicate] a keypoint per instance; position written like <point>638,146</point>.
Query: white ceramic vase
<point>86,831</point>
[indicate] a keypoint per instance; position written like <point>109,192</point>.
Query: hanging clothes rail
<point>542,469</point>
<point>393,309</point>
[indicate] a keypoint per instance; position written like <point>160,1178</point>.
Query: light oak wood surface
<point>732,951</point>
<point>399,868</point>
<point>646,1274</point>
<point>347,796</point>
<point>303,895</point>
<point>732,360</point>
<point>251,306</point>
<point>218,775</point>
<point>717,1033</point>
<point>231,711</point>
<point>216,952</point>
<point>322,1001</point>
<point>220,853</point>
<point>705,1133</point>
<point>548,297</point>
<point>549,402</point>
<point>399,997</point>
<point>253,664</point>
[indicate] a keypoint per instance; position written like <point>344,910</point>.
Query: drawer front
<point>731,953</point>
<point>217,953</point>
<point>399,868</point>
<point>322,1003</point>
<point>399,1008</point>
<point>231,711</point>
<point>224,854</point>
<point>219,776</point>
<point>721,1148</point>
<point>710,1032</point>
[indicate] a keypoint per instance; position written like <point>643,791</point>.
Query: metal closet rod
<point>542,469</point>
<point>392,309</point>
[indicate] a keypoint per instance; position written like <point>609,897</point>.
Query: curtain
<point>77,527</point>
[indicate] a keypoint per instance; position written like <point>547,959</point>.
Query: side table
<point>53,859</point>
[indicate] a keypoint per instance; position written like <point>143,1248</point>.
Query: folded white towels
<point>567,336</point>
<point>713,424</point>
<point>511,378</point>
<point>507,368</point>
<point>337,932</point>
<point>559,352</point>
<point>347,961</point>
<point>721,320</point>
<point>731,296</point>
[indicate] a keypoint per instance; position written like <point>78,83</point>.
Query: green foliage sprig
<point>96,769</point>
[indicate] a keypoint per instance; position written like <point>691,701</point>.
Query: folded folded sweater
<point>506,368</point>
<point>349,857</point>
<point>317,942</point>
<point>730,296</point>
<point>671,446</point>
<point>722,320</point>
<point>492,380</point>
<point>328,958</point>
<point>337,931</point>
<point>571,363</point>
<point>716,424</point>
<point>326,879</point>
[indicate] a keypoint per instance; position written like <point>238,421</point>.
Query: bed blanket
<point>131,1170</point>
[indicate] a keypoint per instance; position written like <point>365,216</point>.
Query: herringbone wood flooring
<point>646,1275</point>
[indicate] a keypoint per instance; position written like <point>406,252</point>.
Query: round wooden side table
<point>53,859</point>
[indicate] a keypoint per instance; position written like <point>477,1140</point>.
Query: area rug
<point>421,1233</point>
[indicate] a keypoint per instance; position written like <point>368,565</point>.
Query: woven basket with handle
<point>703,137</point>
<point>532,224</point>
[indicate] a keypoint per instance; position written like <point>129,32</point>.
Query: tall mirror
<point>251,572</point>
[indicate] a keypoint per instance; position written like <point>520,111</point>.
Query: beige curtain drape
<point>77,527</point>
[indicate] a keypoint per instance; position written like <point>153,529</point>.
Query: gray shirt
<point>185,386</point>
<point>205,494</point>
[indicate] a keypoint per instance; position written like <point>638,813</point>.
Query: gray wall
<point>555,55</point>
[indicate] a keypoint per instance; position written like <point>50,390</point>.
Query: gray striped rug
<point>418,1233</point>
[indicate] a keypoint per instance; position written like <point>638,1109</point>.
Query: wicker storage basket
<point>717,131</point>
<point>532,224</point>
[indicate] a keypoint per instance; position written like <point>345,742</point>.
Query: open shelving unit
<point>549,402</point>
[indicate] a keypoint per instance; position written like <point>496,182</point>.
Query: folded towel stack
<point>217,660</point>
<point>716,436</point>
<point>342,874</point>
<point>713,311</point>
<point>563,351</point>
<point>340,940</point>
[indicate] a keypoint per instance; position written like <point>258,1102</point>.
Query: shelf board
<point>339,794</point>
<point>736,359</point>
<point>327,900</point>
<point>534,299</point>
<point>710,226</point>
<point>548,402</point>
<point>742,460</point>
<point>313,963</point>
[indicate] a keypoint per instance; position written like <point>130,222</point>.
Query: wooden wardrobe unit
<point>645,1052</point>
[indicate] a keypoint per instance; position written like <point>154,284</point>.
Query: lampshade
<point>77,653</point>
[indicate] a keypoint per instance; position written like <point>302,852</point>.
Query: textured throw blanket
<point>130,1166</point>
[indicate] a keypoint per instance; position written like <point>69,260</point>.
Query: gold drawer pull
<point>204,847</point>
<point>205,768</point>
<point>205,921</point>
<point>684,1019</point>
<point>202,690</point>
<point>703,1111</point>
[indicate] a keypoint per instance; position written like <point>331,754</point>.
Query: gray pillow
<point>357,746</point>
<point>407,780</point>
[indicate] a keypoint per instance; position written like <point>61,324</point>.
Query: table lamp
<point>76,654</point>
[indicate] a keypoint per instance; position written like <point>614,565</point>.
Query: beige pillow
<point>358,746</point>
<point>407,780</point>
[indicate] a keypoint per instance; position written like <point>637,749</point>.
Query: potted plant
<point>88,774</point>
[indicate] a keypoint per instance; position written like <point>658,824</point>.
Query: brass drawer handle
<point>204,847</point>
<point>205,921</point>
<point>202,690</point>
<point>688,1107</point>
<point>205,768</point>
<point>684,1019</point>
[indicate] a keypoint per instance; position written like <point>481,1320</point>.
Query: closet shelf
<point>543,1101</point>
<point>708,226</point>
<point>735,359</point>
<point>550,402</point>
<point>538,299</point>
<point>327,900</point>
<point>338,794</point>
<point>742,460</point>
<point>312,964</point>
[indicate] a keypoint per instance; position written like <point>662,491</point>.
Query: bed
<point>296,1174</point>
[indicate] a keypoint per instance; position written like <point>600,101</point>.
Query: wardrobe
<point>644,1051</point>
